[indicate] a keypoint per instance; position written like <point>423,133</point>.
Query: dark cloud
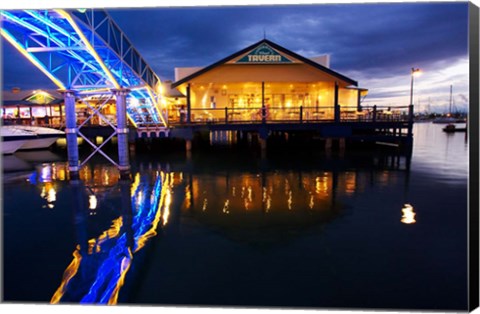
<point>374,37</point>
<point>379,39</point>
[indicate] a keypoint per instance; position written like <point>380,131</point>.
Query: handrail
<point>300,114</point>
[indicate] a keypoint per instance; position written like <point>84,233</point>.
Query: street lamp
<point>415,72</point>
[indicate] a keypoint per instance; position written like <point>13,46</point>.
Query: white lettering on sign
<point>264,58</point>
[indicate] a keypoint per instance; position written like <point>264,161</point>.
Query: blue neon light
<point>57,45</point>
<point>104,269</point>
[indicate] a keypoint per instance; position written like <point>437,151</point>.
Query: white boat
<point>14,139</point>
<point>43,137</point>
<point>444,120</point>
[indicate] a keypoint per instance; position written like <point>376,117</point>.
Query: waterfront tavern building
<point>259,90</point>
<point>264,76</point>
<point>261,82</point>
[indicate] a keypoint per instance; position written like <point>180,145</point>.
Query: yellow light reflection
<point>350,182</point>
<point>408,215</point>
<point>205,203</point>
<point>188,196</point>
<point>92,202</point>
<point>67,275</point>
<point>312,202</point>
<point>290,200</point>
<point>77,257</point>
<point>166,209</point>
<point>225,207</point>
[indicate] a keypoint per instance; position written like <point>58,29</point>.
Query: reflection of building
<point>269,76</point>
<point>263,208</point>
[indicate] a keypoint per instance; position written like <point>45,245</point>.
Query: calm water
<point>353,230</point>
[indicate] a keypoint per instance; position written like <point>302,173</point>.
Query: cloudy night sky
<point>374,44</point>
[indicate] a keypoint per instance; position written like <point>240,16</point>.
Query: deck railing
<point>292,115</point>
<point>257,115</point>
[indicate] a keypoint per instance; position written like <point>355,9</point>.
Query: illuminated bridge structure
<point>87,56</point>
<point>85,51</point>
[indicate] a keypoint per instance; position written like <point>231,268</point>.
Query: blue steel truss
<point>85,51</point>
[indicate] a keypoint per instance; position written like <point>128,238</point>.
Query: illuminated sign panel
<point>263,54</point>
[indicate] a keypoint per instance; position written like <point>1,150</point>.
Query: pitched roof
<point>275,46</point>
<point>23,95</point>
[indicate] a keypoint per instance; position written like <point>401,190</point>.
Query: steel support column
<point>122,131</point>
<point>71,134</point>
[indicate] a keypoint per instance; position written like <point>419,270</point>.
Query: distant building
<point>40,107</point>
<point>31,106</point>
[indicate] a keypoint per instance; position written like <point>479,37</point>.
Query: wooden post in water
<point>71,134</point>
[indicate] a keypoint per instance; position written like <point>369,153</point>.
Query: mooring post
<point>122,131</point>
<point>71,134</point>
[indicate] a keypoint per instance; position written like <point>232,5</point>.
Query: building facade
<point>264,82</point>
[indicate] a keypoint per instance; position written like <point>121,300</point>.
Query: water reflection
<point>266,205</point>
<point>99,266</point>
<point>408,215</point>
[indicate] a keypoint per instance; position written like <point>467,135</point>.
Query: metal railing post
<point>226,115</point>
<point>301,114</point>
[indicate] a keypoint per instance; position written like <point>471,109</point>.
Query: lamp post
<point>414,72</point>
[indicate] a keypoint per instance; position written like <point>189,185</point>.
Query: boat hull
<point>11,146</point>
<point>41,142</point>
<point>454,130</point>
<point>39,137</point>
